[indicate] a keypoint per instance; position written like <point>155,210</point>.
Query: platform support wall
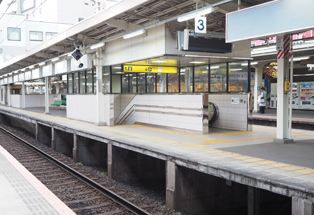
<point>253,201</point>
<point>109,159</point>
<point>63,142</point>
<point>134,168</point>
<point>75,150</point>
<point>89,152</point>
<point>43,134</point>
<point>170,184</point>
<point>190,191</point>
<point>23,95</point>
<point>302,206</point>
<point>53,144</point>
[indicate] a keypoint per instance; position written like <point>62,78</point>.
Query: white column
<point>23,95</point>
<point>9,95</point>
<point>257,82</point>
<point>282,97</point>
<point>46,96</point>
<point>282,101</point>
<point>100,112</point>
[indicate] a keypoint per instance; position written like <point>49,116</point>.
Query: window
<point>70,83</point>
<point>106,79</point>
<point>36,36</point>
<point>76,83</point>
<point>238,76</point>
<point>151,82</point>
<point>27,4</point>
<point>14,34</point>
<point>133,82</point>
<point>218,77</point>
<point>125,83</point>
<point>116,78</point>
<point>89,81</point>
<point>186,80</point>
<point>201,79</point>
<point>141,83</point>
<point>82,82</point>
<point>173,83</point>
<point>50,34</point>
<point>161,82</point>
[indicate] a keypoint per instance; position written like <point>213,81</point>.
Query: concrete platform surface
<point>297,115</point>
<point>247,157</point>
<point>21,192</point>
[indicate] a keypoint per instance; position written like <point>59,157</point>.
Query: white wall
<point>136,48</point>
<point>83,107</point>
<point>16,101</point>
<point>162,115</point>
<point>231,116</point>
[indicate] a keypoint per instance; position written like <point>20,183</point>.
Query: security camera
<point>80,65</point>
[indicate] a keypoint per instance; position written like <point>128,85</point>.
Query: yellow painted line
<point>293,168</point>
<point>234,133</point>
<point>278,165</point>
<point>306,171</point>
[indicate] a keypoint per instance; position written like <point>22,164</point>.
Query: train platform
<point>23,194</point>
<point>300,116</point>
<point>246,157</point>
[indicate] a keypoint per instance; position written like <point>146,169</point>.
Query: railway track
<point>80,193</point>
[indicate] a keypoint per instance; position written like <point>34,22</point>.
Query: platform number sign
<point>200,25</point>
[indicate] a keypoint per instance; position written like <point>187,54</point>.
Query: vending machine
<point>306,96</point>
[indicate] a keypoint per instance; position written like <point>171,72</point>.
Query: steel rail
<point>111,195</point>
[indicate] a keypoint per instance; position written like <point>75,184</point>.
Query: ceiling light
<point>159,61</point>
<point>31,67</point>
<point>214,67</point>
<point>197,62</point>
<point>22,70</point>
<point>134,34</point>
<point>117,67</point>
<point>204,72</point>
<point>235,70</point>
<point>97,45</point>
<point>42,63</point>
<point>300,58</point>
<point>193,14</point>
<point>55,59</point>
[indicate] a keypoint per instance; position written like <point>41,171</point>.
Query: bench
<point>57,103</point>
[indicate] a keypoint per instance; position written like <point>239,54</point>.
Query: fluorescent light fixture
<point>31,67</point>
<point>42,64</point>
<point>235,70</point>
<point>134,34</point>
<point>97,45</point>
<point>308,74</point>
<point>117,67</point>
<point>192,15</point>
<point>22,70</point>
<point>301,58</point>
<point>252,63</point>
<point>159,61</point>
<point>214,67</point>
<point>197,62</point>
<point>55,59</point>
<point>204,72</point>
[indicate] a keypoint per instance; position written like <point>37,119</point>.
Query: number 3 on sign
<point>200,25</point>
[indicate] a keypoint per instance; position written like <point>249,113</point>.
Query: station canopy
<point>126,16</point>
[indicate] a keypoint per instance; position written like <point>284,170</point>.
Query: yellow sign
<point>149,69</point>
<point>155,62</point>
